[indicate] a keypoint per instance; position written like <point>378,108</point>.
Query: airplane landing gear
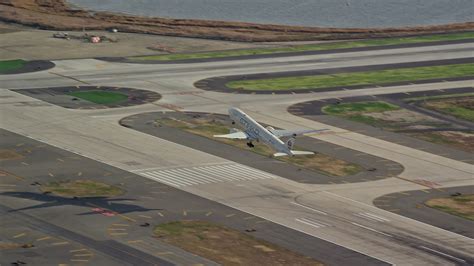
<point>250,144</point>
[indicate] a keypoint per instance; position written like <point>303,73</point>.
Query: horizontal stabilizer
<point>280,154</point>
<point>302,152</point>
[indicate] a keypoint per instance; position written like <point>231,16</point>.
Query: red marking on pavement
<point>427,183</point>
<point>103,212</point>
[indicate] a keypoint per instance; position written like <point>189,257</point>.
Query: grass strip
<point>318,162</point>
<point>309,47</point>
<point>437,97</point>
<point>462,107</point>
<point>378,77</point>
<point>100,97</point>
<point>82,188</point>
<point>10,65</point>
<point>462,206</point>
<point>227,246</point>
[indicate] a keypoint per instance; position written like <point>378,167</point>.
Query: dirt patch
<point>461,107</point>
<point>460,140</point>
<point>9,155</point>
<point>458,205</point>
<point>5,246</point>
<point>402,116</point>
<point>57,15</point>
<point>227,246</point>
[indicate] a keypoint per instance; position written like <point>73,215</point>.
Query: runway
<point>342,214</point>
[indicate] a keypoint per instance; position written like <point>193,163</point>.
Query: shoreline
<point>59,15</point>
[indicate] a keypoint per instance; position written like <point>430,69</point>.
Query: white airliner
<point>253,131</point>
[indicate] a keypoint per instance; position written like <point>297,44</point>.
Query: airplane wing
<point>287,133</point>
<point>233,135</point>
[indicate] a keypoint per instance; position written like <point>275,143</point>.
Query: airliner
<point>253,131</point>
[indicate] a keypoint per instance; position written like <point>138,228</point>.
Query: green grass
<point>100,97</point>
<point>355,111</point>
<point>358,107</point>
<point>461,107</point>
<point>438,97</point>
<point>10,65</point>
<point>355,78</point>
<point>310,47</point>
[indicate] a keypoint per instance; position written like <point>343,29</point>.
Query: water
<point>325,13</point>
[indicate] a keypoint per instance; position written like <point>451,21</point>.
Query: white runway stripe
<point>312,222</point>
<point>199,175</point>
<point>371,216</point>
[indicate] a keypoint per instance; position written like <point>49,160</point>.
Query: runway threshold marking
<point>309,208</point>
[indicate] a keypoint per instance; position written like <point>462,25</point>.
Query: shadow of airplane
<point>89,202</point>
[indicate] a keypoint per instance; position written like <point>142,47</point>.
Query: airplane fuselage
<point>257,132</point>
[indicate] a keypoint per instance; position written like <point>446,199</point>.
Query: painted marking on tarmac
<point>230,215</point>
<point>207,174</point>
<point>60,160</point>
<point>77,250</point>
<point>19,235</point>
<point>120,224</point>
<point>309,208</point>
<point>51,174</point>
<point>145,216</point>
<point>371,217</point>
<point>134,241</point>
<point>24,163</point>
<point>79,174</point>
<point>249,217</point>
<point>43,238</point>
<point>160,214</point>
<point>78,260</point>
<point>371,229</point>
<point>312,222</point>
<point>60,243</point>
<point>443,254</point>
<point>208,214</point>
<point>185,213</point>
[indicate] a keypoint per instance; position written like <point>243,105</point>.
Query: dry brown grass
<point>9,155</point>
<point>227,246</point>
<point>459,205</point>
<point>56,15</point>
<point>82,188</point>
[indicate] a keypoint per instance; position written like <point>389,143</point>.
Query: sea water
<point>324,13</point>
